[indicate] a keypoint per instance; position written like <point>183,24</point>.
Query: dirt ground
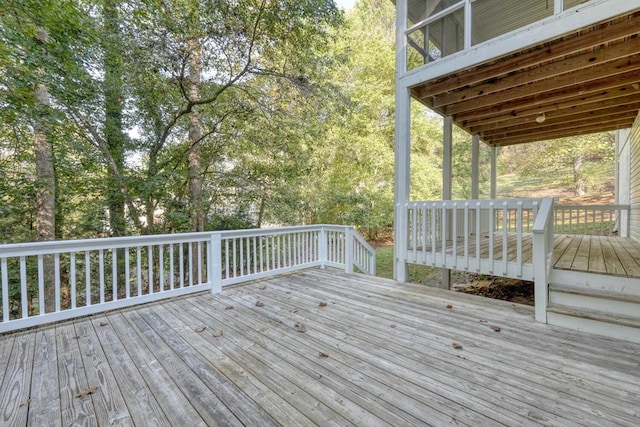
<point>518,291</point>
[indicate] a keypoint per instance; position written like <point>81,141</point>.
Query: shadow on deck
<point>378,353</point>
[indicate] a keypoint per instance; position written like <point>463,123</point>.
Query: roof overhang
<point>582,82</point>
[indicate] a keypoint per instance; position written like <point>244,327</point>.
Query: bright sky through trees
<point>345,4</point>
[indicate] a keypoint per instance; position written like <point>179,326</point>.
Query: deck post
<point>402,149</point>
<point>447,176</point>
<point>322,247</point>
<point>214,266</point>
<point>348,250</point>
<point>494,172</point>
<point>622,179</point>
<point>542,257</point>
<point>475,167</point>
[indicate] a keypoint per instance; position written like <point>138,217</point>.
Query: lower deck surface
<point>610,255</point>
<point>318,348</point>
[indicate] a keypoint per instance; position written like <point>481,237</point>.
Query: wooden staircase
<point>596,303</point>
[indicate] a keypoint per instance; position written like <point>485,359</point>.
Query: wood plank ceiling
<point>584,82</point>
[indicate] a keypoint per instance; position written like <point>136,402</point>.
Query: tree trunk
<point>46,191</point>
<point>578,179</point>
<point>114,99</point>
<point>195,134</point>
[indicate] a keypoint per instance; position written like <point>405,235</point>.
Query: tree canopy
<point>146,116</point>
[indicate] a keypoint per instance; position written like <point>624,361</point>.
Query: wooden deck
<point>609,255</point>
<point>378,353</point>
<point>597,254</point>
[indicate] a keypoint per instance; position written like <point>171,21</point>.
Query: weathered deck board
<point>15,388</point>
<point>76,408</point>
<point>480,339</point>
<point>390,362</point>
<point>45,396</point>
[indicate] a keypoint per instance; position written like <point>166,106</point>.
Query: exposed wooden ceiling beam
<point>610,114</point>
<point>581,63</point>
<point>620,72</point>
<point>606,87</point>
<point>561,133</point>
<point>568,108</point>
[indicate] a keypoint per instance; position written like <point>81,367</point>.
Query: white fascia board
<point>547,29</point>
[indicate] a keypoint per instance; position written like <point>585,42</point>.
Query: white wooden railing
<point>601,220</point>
<point>482,236</point>
<point>51,281</point>
<point>543,234</point>
<point>509,238</point>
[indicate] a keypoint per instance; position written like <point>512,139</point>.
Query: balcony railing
<point>600,220</point>
<point>482,236</point>
<point>437,29</point>
<point>51,281</point>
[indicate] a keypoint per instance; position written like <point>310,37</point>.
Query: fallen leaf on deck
<point>25,403</point>
<point>294,310</point>
<point>457,346</point>
<point>449,306</point>
<point>229,307</point>
<point>103,323</point>
<point>87,392</point>
<point>200,328</point>
<point>323,354</point>
<point>322,304</point>
<point>496,328</point>
<point>218,334</point>
<point>300,327</point>
<point>259,304</point>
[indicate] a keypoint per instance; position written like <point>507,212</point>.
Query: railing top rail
<point>596,207</point>
<point>544,216</point>
<point>280,230</point>
<point>482,203</point>
<point>105,243</point>
<point>57,246</point>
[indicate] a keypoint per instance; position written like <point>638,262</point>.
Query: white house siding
<point>634,220</point>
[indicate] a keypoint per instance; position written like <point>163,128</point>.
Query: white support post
<point>214,266</point>
<point>494,172</point>
<point>475,167</point>
<point>322,247</point>
<point>622,179</point>
<point>558,7</point>
<point>542,257</point>
<point>348,249</point>
<point>447,176</point>
<point>467,24</point>
<point>402,149</point>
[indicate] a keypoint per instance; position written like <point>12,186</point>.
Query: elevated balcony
<point>521,71</point>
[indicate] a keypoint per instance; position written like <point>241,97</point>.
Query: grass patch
<point>384,267</point>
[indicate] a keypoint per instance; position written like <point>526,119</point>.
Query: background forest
<point>122,117</point>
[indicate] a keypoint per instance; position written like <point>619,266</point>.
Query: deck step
<point>596,282</point>
<point>614,303</point>
<point>595,321</point>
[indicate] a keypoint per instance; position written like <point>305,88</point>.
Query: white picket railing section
<point>600,220</point>
<point>509,238</point>
<point>51,281</point>
<point>482,236</point>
